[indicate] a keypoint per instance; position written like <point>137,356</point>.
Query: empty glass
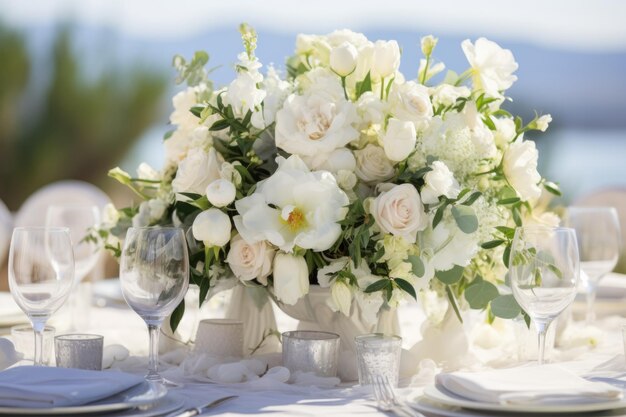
<point>41,273</point>
<point>544,271</point>
<point>311,351</point>
<point>599,242</point>
<point>378,354</point>
<point>154,274</point>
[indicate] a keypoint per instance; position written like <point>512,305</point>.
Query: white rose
<point>386,59</point>
<point>197,170</point>
<point>291,277</point>
<point>447,94</point>
<point>221,192</point>
<point>492,66</point>
<point>212,227</point>
<point>543,122</point>
<point>372,165</point>
<point>439,181</point>
<point>520,168</point>
<point>343,59</point>
<point>411,101</point>
<point>399,140</point>
<point>250,261</point>
<point>400,212</point>
<point>341,297</point>
<point>315,123</point>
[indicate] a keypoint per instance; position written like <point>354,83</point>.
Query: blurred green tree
<point>82,126</point>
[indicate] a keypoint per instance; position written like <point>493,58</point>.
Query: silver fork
<point>388,401</point>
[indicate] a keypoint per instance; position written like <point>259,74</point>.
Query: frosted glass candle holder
<point>311,351</point>
<point>378,354</point>
<point>82,351</point>
<point>220,337</point>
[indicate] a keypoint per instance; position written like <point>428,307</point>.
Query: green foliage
<point>505,307</point>
<point>451,276</point>
<point>479,293</point>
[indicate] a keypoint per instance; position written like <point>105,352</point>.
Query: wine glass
<point>599,243</point>
<point>41,273</point>
<point>544,270</point>
<point>154,273</point>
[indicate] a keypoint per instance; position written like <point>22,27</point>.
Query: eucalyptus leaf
<point>505,307</point>
<point>451,276</point>
<point>417,265</point>
<point>480,293</point>
<point>465,218</point>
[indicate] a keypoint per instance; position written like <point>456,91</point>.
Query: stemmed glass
<point>41,273</point>
<point>154,273</point>
<point>544,270</point>
<point>599,242</point>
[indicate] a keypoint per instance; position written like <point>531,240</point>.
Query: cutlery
<point>388,401</point>
<point>191,412</point>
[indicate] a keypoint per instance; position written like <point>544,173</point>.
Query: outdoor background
<point>87,85</point>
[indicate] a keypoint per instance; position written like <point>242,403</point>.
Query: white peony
<point>520,168</point>
<point>372,165</point>
<point>343,59</point>
<point>212,227</point>
<point>314,123</point>
<point>197,171</point>
<point>386,59</point>
<point>400,212</point>
<point>291,277</point>
<point>250,261</point>
<point>285,209</point>
<point>411,101</point>
<point>492,66</point>
<point>221,192</point>
<point>439,181</point>
<point>399,140</point>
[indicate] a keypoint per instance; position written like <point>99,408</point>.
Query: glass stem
<point>38,329</point>
<point>153,360</point>
<point>542,328</point>
<point>590,317</point>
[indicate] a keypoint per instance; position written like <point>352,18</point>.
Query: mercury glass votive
<point>220,337</point>
<point>378,354</point>
<point>82,351</point>
<point>311,351</point>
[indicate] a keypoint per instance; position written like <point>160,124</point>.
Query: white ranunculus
<point>520,168</point>
<point>411,101</point>
<point>439,181</point>
<point>250,261</point>
<point>221,192</point>
<point>212,227</point>
<point>341,297</point>
<point>314,123</point>
<point>197,171</point>
<point>372,165</point>
<point>543,122</point>
<point>399,140</point>
<point>386,59</point>
<point>492,66</point>
<point>285,209</point>
<point>291,277</point>
<point>447,94</point>
<point>343,59</point>
<point>400,212</point>
<point>340,159</point>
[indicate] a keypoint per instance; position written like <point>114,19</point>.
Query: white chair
<point>6,229</point>
<point>610,197</point>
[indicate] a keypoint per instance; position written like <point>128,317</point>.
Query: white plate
<point>435,394</point>
<point>143,394</point>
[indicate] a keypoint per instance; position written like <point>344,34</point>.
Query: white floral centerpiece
<point>348,174</point>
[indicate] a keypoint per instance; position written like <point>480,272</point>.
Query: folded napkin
<point>547,384</point>
<point>42,386</point>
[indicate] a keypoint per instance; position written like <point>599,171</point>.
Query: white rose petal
<point>343,59</point>
<point>399,140</point>
<point>250,261</point>
<point>221,192</point>
<point>520,169</point>
<point>291,277</point>
<point>400,212</point>
<point>439,181</point>
<point>212,227</point>
<point>411,101</point>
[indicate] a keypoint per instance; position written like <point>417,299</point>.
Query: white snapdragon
<point>400,212</point>
<point>520,168</point>
<point>291,277</point>
<point>492,66</point>
<point>197,171</point>
<point>437,182</point>
<point>343,59</point>
<point>250,261</point>
<point>386,59</point>
<point>221,192</point>
<point>399,140</point>
<point>212,227</point>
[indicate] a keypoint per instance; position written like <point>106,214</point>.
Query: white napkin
<point>42,386</point>
<point>547,384</point>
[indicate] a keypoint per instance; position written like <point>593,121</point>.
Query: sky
<point>568,24</point>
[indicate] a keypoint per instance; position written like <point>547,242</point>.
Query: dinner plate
<point>438,395</point>
<point>140,395</point>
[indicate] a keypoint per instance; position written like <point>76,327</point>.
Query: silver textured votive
<point>311,351</point>
<point>82,351</point>
<point>378,354</point>
<point>220,337</point>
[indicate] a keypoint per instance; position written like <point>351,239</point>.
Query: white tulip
<point>221,192</point>
<point>343,59</point>
<point>291,277</point>
<point>341,296</point>
<point>399,140</point>
<point>212,227</point>
<point>250,261</point>
<point>386,59</point>
<point>439,181</point>
<point>520,168</point>
<point>400,212</point>
<point>428,43</point>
